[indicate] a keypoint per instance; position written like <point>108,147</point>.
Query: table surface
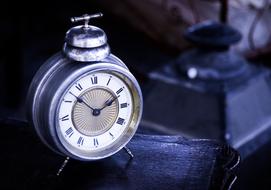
<point>160,162</point>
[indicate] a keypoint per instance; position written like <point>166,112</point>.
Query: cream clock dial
<point>95,111</point>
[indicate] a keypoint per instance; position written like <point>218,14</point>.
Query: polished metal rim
<point>128,133</point>
<point>42,89</point>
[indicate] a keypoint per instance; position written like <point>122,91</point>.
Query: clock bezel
<point>133,123</point>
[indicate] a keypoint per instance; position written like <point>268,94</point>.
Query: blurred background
<point>200,79</point>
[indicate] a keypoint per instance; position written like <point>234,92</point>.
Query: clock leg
<point>62,166</point>
<point>128,151</point>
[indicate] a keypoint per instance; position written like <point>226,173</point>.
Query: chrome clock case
<point>85,51</point>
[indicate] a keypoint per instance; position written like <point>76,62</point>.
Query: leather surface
<point>160,162</point>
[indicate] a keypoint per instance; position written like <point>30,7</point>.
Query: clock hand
<point>109,102</point>
<point>80,100</point>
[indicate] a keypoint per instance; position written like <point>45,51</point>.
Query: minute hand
<point>80,100</point>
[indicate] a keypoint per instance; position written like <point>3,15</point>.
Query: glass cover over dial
<point>95,112</point>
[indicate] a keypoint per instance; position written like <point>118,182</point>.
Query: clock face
<point>95,112</point>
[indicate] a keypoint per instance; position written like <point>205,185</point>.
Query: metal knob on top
<point>86,42</point>
<point>86,18</point>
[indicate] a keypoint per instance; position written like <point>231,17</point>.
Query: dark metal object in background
<point>160,162</point>
<point>214,90</point>
<point>224,11</point>
<point>213,36</point>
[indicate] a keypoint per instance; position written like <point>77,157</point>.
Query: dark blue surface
<point>160,162</point>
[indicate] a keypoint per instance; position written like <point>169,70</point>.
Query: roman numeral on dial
<point>95,142</point>
<point>69,132</point>
<point>65,118</point>
<point>120,121</point>
<point>94,80</point>
<point>119,90</point>
<point>108,81</point>
<point>79,87</point>
<point>80,141</point>
<point>123,105</point>
<point>111,135</point>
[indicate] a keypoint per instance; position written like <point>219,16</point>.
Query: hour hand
<point>109,102</point>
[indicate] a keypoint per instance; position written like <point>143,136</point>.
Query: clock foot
<point>63,166</point>
<point>128,151</point>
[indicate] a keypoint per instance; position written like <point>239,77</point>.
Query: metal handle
<point>86,18</point>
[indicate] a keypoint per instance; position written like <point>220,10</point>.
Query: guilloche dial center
<point>97,113</point>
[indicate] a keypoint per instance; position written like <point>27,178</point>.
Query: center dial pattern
<point>95,112</point>
<point>99,115</point>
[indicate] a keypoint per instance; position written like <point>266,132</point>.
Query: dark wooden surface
<point>160,162</point>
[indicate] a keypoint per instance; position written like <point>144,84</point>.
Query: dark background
<point>31,33</point>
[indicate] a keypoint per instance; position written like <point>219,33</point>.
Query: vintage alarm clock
<point>83,102</point>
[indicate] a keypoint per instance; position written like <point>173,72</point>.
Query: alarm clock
<point>83,102</point>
